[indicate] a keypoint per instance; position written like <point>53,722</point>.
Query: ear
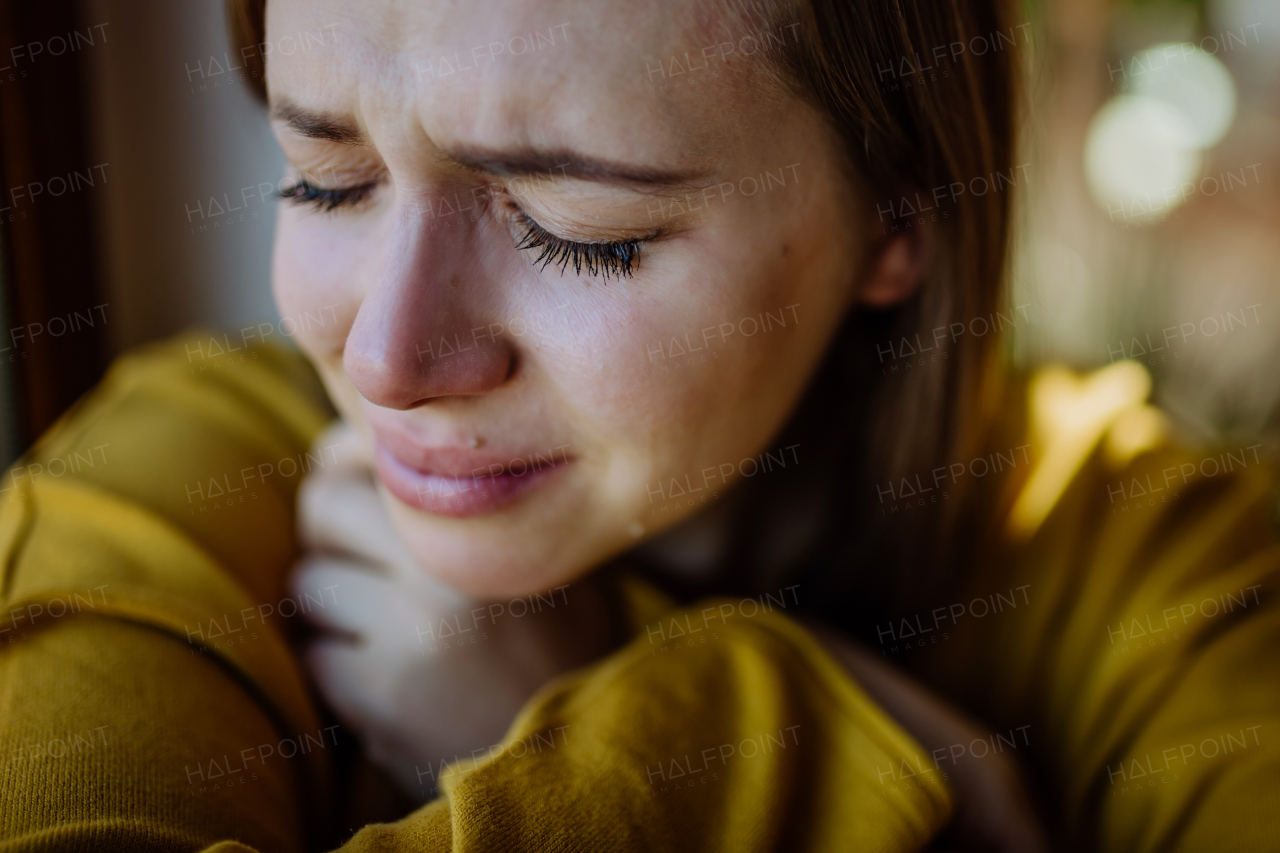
<point>895,266</point>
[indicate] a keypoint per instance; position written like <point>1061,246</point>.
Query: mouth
<point>460,482</point>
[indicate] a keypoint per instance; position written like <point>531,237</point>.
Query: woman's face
<point>529,419</point>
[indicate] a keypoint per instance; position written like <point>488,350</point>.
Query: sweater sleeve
<point>720,728</point>
<point>1130,618</point>
<point>149,699</point>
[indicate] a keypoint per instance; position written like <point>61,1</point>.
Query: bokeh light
<point>1144,147</point>
<point>1138,153</point>
<point>1193,81</point>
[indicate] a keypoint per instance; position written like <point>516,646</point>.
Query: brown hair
<point>907,135</point>
<point>861,63</point>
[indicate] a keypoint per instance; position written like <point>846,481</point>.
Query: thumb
<point>343,449</point>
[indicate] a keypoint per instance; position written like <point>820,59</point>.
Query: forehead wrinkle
<point>540,122</point>
<point>335,87</point>
<point>528,105</point>
<point>535,153</point>
<point>526,160</point>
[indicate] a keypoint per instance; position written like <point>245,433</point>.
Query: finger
<point>340,509</point>
<point>341,673</point>
<point>347,516</point>
<point>344,514</point>
<point>353,599</point>
<point>348,684</point>
<point>344,448</point>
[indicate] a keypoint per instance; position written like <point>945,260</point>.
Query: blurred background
<point>1151,226</point>
<point>137,173</point>
<point>148,98</point>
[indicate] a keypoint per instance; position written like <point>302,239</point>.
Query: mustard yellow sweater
<point>1123,630</point>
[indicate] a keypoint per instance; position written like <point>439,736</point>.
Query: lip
<point>459,482</point>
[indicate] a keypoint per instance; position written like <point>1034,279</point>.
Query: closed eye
<point>326,199</point>
<point>618,258</point>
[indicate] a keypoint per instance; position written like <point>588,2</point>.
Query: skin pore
<point>563,371</point>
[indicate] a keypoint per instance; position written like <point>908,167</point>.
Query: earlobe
<point>895,267</point>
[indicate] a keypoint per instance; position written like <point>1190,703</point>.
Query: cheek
<point>607,367</point>
<point>678,367</point>
<point>702,363</point>
<point>314,279</point>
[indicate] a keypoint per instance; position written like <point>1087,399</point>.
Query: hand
<point>421,672</point>
<point>993,812</point>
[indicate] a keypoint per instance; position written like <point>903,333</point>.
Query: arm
<point>147,698</point>
<point>124,724</point>
<point>753,740</point>
<point>992,810</point>
<point>723,727</point>
<point>1144,652</point>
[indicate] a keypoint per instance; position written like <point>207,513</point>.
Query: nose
<point>421,332</point>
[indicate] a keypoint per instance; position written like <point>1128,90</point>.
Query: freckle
<point>785,247</point>
<point>454,280</point>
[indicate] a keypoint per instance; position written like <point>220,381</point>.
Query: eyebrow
<point>527,161</point>
<point>315,125</point>
<point>524,161</point>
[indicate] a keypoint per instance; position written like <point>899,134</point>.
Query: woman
<point>592,556</point>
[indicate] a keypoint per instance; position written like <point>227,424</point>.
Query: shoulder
<point>196,386</point>
<point>202,433</point>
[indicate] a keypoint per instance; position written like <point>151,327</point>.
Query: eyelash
<point>601,259</point>
<point>619,258</point>
<point>323,199</point>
